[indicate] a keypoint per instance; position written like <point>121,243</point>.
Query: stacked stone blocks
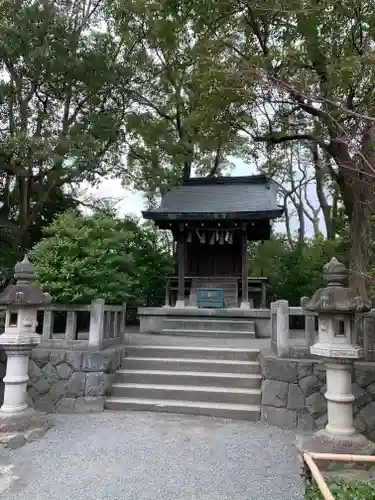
<point>293,394</point>
<point>67,381</point>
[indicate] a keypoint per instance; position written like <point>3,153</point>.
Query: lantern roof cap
<point>335,298</point>
<point>25,292</point>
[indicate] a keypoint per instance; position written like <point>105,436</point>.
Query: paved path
<point>145,456</point>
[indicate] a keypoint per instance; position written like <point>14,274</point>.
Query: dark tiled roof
<point>232,195</point>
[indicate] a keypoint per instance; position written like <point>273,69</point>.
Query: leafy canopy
<point>295,271</point>
<point>101,256</point>
<point>83,258</point>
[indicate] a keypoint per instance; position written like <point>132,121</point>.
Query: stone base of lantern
<point>17,429</point>
<point>324,442</point>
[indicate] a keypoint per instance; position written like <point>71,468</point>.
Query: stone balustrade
<point>71,371</point>
<point>283,343</point>
<point>106,325</point>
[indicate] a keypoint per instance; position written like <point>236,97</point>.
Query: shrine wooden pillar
<point>244,268</point>
<point>181,267</point>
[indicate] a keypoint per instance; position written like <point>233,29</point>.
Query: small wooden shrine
<point>212,220</point>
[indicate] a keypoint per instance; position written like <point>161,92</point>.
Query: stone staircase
<point>214,381</point>
<point>206,326</point>
<point>230,288</point>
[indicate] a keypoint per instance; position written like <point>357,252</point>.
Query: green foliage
<point>82,258</point>
<point>343,490</point>
<point>152,253</point>
<point>101,256</point>
<point>186,99</point>
<point>294,272</point>
<point>63,90</point>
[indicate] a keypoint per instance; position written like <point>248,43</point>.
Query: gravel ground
<point>148,456</point>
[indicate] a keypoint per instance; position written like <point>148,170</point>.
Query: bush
<point>294,272</point>
<point>85,257</point>
<point>82,258</point>
<point>343,490</point>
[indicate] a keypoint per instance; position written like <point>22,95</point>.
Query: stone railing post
<point>47,325</point>
<point>108,325</point>
<point>309,326</point>
<point>116,324</point>
<point>273,327</point>
<point>167,292</point>
<point>96,332</point>
<point>368,324</point>
<point>282,328</point>
<point>71,326</point>
<point>309,331</point>
<point>123,322</point>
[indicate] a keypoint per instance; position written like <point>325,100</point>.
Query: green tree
<point>152,252</point>
<point>180,122</point>
<point>102,256</point>
<point>295,271</point>
<point>60,203</point>
<point>63,97</point>
<point>311,65</point>
<point>83,258</point>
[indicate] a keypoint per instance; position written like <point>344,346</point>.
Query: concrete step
<point>204,379</point>
<point>221,410</point>
<point>195,365</point>
<point>136,339</point>
<point>207,333</point>
<point>226,325</point>
<point>162,351</point>
<point>208,394</point>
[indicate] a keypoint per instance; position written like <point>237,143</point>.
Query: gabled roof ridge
<point>212,181</point>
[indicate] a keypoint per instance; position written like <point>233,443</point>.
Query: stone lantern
<point>336,306</point>
<point>22,301</point>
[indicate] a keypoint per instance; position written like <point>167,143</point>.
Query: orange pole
<point>322,485</point>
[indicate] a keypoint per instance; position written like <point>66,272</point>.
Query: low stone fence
<point>72,370</point>
<point>106,325</point>
<point>293,393</point>
<point>283,344</point>
<point>67,381</point>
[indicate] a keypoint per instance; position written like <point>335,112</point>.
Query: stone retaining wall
<point>66,381</point>
<point>293,393</point>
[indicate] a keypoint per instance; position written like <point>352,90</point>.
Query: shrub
<point>343,490</point>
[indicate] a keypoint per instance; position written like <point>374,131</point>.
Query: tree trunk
<point>361,237</point>
<point>287,222</point>
<point>357,186</point>
<point>319,182</point>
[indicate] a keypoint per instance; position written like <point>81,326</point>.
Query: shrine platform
<point>196,322</point>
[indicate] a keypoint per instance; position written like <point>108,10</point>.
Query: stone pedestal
<point>339,399</point>
<point>16,377</point>
<point>18,422</point>
<point>337,306</point>
<point>339,435</point>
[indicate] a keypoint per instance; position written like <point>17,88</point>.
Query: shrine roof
<point>250,197</point>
